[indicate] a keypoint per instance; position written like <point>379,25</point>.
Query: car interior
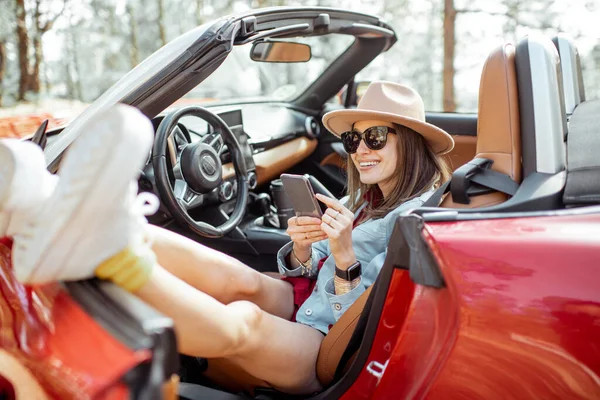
<point>510,159</point>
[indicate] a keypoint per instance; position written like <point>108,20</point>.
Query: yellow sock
<point>127,269</point>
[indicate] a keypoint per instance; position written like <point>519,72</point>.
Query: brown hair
<point>427,170</point>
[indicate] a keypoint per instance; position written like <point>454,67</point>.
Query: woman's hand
<point>304,231</point>
<point>337,225</point>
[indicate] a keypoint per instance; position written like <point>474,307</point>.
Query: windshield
<point>241,79</point>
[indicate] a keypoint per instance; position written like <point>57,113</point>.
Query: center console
<point>228,187</point>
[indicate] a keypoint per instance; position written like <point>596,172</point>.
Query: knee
<point>247,331</point>
<point>246,285</point>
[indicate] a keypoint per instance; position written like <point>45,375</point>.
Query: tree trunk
<point>134,54</point>
<point>42,25</point>
<point>161,22</point>
<point>449,46</point>
<point>34,78</point>
<point>23,45</point>
<point>2,69</point>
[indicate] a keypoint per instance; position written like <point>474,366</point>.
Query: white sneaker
<point>25,184</point>
<point>92,213</point>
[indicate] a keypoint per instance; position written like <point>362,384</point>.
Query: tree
<point>42,23</point>
<point>449,46</point>
<point>23,46</point>
<point>533,14</point>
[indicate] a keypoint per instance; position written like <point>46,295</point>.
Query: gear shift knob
<point>263,204</point>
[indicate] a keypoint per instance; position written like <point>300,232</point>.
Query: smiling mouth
<point>368,164</point>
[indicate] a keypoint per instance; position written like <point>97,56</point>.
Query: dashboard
<point>272,137</point>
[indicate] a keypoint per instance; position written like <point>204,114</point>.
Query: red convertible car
<point>490,290</point>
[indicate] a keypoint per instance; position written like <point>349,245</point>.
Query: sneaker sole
<point>97,170</point>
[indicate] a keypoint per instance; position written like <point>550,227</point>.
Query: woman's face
<point>377,167</point>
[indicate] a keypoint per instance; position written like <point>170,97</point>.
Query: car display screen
<point>233,119</point>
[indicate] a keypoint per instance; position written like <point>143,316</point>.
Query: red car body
<point>519,318</point>
<point>47,332</point>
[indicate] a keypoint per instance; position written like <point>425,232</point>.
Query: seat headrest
<point>498,127</point>
<point>543,117</point>
<point>572,77</point>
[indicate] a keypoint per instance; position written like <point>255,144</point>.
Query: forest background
<point>57,56</point>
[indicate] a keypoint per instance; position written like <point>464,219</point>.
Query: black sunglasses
<point>375,138</point>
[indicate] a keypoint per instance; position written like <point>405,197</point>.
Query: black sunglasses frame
<point>351,145</point>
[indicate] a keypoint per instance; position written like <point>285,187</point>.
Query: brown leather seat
<point>499,139</point>
<point>498,123</point>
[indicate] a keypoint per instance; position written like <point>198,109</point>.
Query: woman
<point>92,224</point>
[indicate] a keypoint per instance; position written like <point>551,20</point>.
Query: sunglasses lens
<point>376,137</point>
<point>351,141</point>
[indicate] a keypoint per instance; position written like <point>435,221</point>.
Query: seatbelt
<point>477,172</point>
<point>436,198</point>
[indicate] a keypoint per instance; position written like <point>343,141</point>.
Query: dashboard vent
<point>313,127</point>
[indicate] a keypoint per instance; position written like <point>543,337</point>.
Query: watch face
<point>354,271</point>
<point>351,273</point>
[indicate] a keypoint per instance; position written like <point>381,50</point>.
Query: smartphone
<point>300,192</point>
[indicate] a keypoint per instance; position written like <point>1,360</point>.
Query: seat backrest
<point>498,123</point>
<point>541,101</point>
<point>571,73</point>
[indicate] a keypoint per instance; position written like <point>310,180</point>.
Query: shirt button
<point>337,306</point>
<point>308,311</point>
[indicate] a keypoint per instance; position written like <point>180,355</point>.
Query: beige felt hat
<point>390,102</point>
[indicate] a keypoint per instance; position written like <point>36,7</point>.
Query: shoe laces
<point>142,205</point>
<point>145,203</point>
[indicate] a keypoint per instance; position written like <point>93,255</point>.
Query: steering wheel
<point>198,171</point>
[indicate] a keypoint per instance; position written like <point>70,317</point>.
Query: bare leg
<point>280,352</point>
<point>219,275</point>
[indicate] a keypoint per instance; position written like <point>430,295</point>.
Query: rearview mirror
<point>280,52</point>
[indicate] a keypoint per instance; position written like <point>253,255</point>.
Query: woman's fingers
<point>329,220</point>
<point>301,221</point>
<point>308,238</point>
<point>331,232</point>
<point>305,228</point>
<point>337,216</point>
<point>335,205</point>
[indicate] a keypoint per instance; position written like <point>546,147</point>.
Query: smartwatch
<point>351,273</point>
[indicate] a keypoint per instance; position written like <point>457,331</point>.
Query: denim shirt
<point>369,240</point>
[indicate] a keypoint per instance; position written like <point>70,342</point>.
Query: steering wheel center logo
<point>208,165</point>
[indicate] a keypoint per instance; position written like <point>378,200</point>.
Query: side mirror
<point>280,52</point>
